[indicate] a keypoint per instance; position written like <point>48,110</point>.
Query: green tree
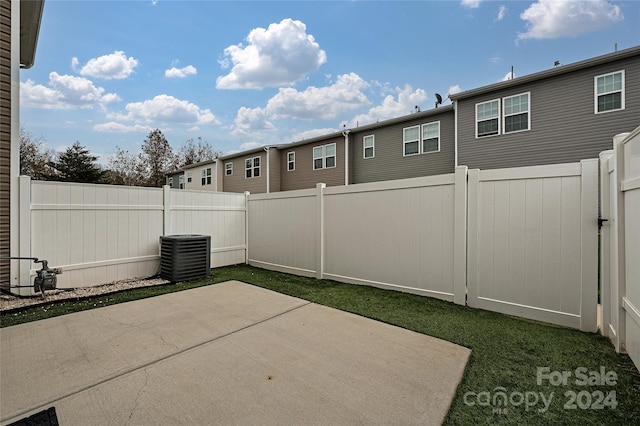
<point>76,164</point>
<point>158,158</point>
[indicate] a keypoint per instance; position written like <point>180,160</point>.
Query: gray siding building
<point>565,114</point>
<point>404,147</point>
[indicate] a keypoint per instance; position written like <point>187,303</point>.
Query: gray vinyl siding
<point>389,161</point>
<point>5,138</point>
<point>304,176</point>
<point>237,181</point>
<point>564,127</point>
<point>176,179</point>
<point>274,170</point>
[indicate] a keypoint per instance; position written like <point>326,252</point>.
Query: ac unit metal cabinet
<point>185,257</point>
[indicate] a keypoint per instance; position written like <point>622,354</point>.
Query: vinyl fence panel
<point>397,235</point>
<point>218,214</point>
<point>620,170</point>
<point>284,231</point>
<point>96,233</point>
<point>533,242</point>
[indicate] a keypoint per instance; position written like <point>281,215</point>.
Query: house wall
<point>237,182</point>
<point>564,127</point>
<point>175,181</point>
<point>304,176</point>
<point>196,182</point>
<point>389,161</point>
<point>5,138</point>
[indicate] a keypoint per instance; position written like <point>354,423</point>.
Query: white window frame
<point>405,142</point>
<point>422,138</point>
<point>189,176</point>
<point>228,169</point>
<point>291,161</point>
<point>205,176</point>
<point>372,146</point>
<point>497,117</point>
<point>596,95</point>
<point>323,156</point>
<point>505,115</point>
<point>250,172</point>
<point>181,181</point>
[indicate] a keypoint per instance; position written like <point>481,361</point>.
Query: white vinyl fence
<point>532,238</point>
<point>620,244</point>
<point>533,242</point>
<point>103,233</point>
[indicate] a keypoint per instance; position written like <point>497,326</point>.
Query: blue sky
<point>242,74</point>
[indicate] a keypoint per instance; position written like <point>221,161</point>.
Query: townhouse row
<point>560,115</point>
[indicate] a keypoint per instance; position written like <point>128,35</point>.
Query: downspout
<point>266,149</point>
<point>346,156</point>
<point>455,132</point>
<point>14,160</point>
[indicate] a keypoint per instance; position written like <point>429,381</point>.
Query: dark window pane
<point>609,102</point>
<point>514,123</point>
<point>430,145</point>
<point>411,148</point>
<point>256,172</point>
<point>317,164</point>
<point>488,127</point>
<point>331,161</point>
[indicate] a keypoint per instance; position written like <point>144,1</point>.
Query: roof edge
<point>562,69</point>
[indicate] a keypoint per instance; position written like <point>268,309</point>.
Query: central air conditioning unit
<point>185,257</point>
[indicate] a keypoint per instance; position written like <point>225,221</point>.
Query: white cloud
<point>181,72</point>
<point>64,92</point>
<point>509,76</point>
<point>454,89</point>
<point>323,103</point>
<point>250,145</point>
<point>308,134</point>
<point>548,19</point>
<point>279,55</point>
<point>407,99</point>
<point>471,4</point>
<point>113,66</point>
<point>113,127</point>
<point>502,12</point>
<point>250,121</point>
<point>166,109</point>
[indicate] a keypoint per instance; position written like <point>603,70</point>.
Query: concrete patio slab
<point>230,353</point>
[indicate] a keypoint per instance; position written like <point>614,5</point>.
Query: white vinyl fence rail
<point>103,233</point>
<point>620,243</point>
<point>526,243</point>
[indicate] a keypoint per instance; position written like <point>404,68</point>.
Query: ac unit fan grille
<point>185,257</point>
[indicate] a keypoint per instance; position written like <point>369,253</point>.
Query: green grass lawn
<point>506,351</point>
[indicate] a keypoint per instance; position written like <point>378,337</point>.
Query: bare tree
<point>34,157</point>
<point>125,169</point>
<point>158,158</point>
<point>192,152</point>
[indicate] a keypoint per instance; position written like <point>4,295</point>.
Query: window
<point>516,113</point>
<point>170,181</point>
<point>324,157</point>
<point>609,92</point>
<point>181,181</point>
<point>487,122</point>
<point>291,161</point>
<point>411,140</point>
<point>252,167</point>
<point>205,176</point>
<point>189,176</point>
<point>431,137</point>
<point>228,169</point>
<point>368,146</point>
